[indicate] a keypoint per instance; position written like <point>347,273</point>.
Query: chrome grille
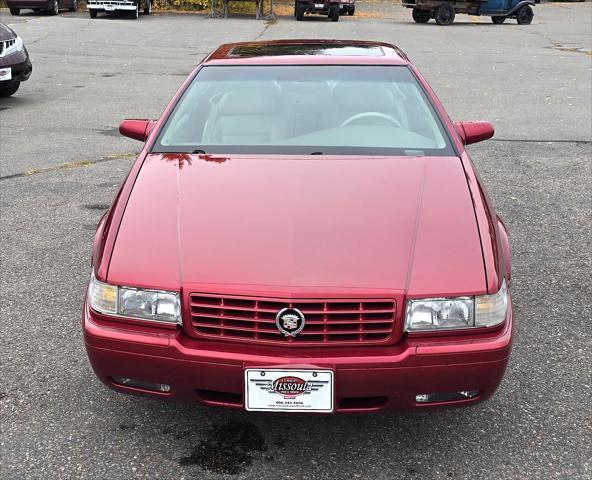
<point>328,321</point>
<point>5,44</point>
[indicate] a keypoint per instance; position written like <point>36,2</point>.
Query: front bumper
<point>20,65</point>
<point>369,379</point>
<point>324,7</point>
<point>111,6</point>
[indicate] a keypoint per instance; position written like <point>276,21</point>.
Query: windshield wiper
<point>317,153</point>
<point>198,152</point>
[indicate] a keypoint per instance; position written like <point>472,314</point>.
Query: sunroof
<point>278,49</point>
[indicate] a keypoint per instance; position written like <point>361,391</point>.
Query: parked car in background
<point>332,8</point>
<point>15,64</point>
<point>132,7</point>
<point>444,11</point>
<point>52,7</point>
<point>303,231</point>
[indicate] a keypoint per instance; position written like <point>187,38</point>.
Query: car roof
<point>299,52</point>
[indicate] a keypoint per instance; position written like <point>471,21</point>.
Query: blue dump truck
<point>443,12</point>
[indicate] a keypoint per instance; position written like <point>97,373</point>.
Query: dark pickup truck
<point>331,8</point>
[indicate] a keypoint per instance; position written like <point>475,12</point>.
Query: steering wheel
<point>359,116</point>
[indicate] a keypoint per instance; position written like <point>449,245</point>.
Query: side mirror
<point>473,132</point>
<point>137,129</point>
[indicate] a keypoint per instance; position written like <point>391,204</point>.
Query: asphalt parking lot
<point>61,161</point>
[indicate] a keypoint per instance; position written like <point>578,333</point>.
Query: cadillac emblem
<point>290,321</point>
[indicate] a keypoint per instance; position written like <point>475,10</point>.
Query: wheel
<point>15,11</point>
<point>136,12</point>
<point>148,7</point>
<point>498,20</point>
<point>444,14</point>
<point>93,13</point>
<point>421,16</point>
<point>74,6</point>
<point>525,15</point>
<point>334,13</point>
<point>300,12</point>
<point>351,11</point>
<point>10,89</point>
<point>54,7</point>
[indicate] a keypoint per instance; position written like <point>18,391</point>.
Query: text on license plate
<point>279,390</point>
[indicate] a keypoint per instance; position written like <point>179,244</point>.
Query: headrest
<point>248,102</point>
<point>363,96</point>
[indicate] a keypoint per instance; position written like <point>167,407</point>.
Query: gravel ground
<point>61,162</point>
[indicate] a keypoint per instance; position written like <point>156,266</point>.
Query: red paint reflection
<point>186,159</point>
<point>182,159</point>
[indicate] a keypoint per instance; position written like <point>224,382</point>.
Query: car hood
<point>6,33</point>
<point>300,224</point>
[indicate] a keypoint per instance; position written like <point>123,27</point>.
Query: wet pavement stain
<point>228,448</point>
<point>112,132</point>
<point>280,441</point>
<point>96,206</point>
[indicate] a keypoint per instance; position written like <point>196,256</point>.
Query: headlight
<point>455,313</point>
<point>17,46</point>
<point>154,305</point>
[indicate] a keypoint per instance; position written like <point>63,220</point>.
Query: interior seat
<point>305,104</point>
<point>245,118</point>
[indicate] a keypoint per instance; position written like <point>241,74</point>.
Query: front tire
<point>10,90</point>
<point>334,13</point>
<point>74,6</point>
<point>15,11</point>
<point>444,14</point>
<point>421,16</point>
<point>148,7</point>
<point>54,7</point>
<point>136,12</point>
<point>93,13</point>
<point>498,20</point>
<point>525,15</point>
<point>299,12</point>
<point>351,11</point>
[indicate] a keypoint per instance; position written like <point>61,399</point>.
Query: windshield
<point>336,110</point>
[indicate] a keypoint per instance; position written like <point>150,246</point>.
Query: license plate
<point>319,5</point>
<point>278,390</point>
<point>109,8</point>
<point>5,74</point>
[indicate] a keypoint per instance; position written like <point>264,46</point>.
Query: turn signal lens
<point>491,310</point>
<point>102,297</point>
